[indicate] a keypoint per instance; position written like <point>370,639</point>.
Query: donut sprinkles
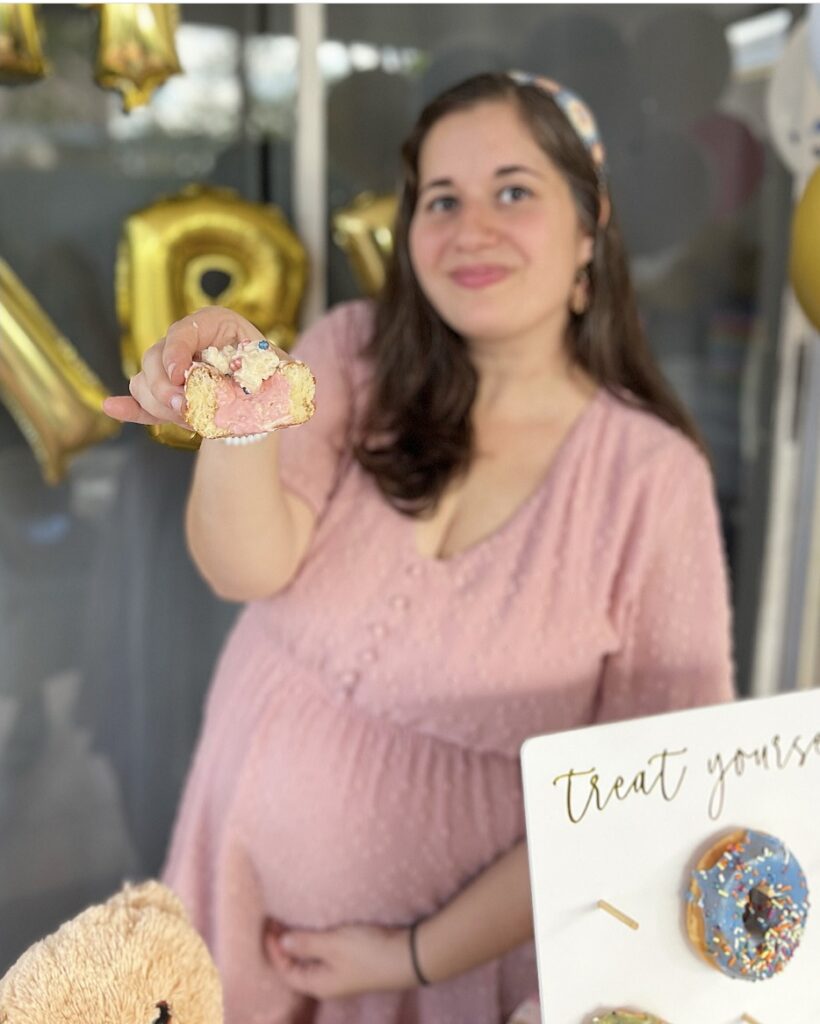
<point>749,907</point>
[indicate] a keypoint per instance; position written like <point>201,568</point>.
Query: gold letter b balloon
<point>805,250</point>
<point>55,398</point>
<point>172,250</point>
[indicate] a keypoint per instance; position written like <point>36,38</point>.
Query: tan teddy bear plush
<point>135,959</point>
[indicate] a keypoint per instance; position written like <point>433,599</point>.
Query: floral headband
<point>584,125</point>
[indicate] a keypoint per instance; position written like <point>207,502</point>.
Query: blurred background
<point>107,635</point>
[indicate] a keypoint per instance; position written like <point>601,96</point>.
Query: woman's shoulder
<point>642,446</point>
<point>346,328</point>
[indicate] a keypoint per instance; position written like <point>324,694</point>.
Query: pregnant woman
<point>498,523</point>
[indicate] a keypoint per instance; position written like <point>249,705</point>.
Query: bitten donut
<point>246,389</point>
<point>747,905</point>
<point>627,1017</point>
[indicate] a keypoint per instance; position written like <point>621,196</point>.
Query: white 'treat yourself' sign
<point>622,813</point>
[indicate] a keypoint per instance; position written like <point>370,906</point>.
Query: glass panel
<point>702,197</point>
<point>108,636</point>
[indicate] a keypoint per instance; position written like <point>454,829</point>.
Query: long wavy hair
<point>416,433</point>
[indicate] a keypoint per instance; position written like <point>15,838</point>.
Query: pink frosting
<point>249,414</point>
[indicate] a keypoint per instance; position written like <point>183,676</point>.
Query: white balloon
<point>793,105</point>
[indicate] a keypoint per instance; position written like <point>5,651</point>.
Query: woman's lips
<point>479,276</point>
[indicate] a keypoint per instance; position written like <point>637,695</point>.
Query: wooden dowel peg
<point>619,914</point>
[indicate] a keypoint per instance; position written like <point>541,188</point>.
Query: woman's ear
<point>585,250</point>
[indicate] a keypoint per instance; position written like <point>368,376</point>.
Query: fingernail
<point>286,942</point>
<point>176,403</point>
<point>171,368</point>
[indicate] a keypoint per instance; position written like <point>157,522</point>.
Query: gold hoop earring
<point>580,298</point>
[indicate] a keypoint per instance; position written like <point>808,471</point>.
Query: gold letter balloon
<point>805,250</point>
<point>21,52</point>
<point>136,52</point>
<point>173,250</point>
<point>364,231</point>
<point>54,397</point>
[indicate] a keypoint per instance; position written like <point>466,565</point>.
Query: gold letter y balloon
<point>202,247</point>
<point>364,231</point>
<point>55,398</point>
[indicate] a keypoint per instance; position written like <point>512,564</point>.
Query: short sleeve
<point>312,455</point>
<point>671,606</point>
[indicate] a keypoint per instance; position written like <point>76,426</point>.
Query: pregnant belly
<point>349,818</point>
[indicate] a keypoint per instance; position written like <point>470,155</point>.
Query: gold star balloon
<point>136,51</point>
<point>21,51</point>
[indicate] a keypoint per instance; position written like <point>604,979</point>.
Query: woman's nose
<point>476,226</point>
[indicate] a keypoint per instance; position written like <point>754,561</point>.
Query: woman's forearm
<point>246,534</point>
<point>487,919</point>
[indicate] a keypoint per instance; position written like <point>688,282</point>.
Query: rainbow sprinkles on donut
<point>747,905</point>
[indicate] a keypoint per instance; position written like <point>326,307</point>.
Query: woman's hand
<point>342,962</point>
<point>156,391</point>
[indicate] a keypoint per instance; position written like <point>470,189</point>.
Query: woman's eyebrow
<point>438,183</point>
<point>516,169</point>
<point>499,173</point>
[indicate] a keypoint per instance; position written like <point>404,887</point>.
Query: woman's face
<point>495,239</point>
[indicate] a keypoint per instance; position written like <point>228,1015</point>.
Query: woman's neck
<point>527,378</point>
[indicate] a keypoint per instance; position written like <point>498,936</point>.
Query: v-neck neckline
<point>520,512</point>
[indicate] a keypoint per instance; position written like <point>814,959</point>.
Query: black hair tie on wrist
<point>414,956</point>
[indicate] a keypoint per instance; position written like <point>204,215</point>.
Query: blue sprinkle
<point>264,344</point>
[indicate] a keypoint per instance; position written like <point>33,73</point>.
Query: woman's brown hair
<point>416,433</point>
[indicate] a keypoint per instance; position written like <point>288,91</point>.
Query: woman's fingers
<point>180,345</point>
<point>127,410</point>
<point>162,411</point>
<point>303,976</point>
<point>143,406</point>
<point>213,325</point>
<point>157,390</point>
<point>303,948</point>
<point>307,945</point>
<point>157,381</point>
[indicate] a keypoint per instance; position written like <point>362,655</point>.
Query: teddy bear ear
<point>150,894</point>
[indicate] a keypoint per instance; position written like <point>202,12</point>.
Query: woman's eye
<point>441,204</point>
<point>513,193</point>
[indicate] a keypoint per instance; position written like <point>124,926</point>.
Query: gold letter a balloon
<point>136,51</point>
<point>55,398</point>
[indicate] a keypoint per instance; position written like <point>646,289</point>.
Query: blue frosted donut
<point>747,905</point>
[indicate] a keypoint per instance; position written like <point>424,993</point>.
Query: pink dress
<point>359,753</point>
